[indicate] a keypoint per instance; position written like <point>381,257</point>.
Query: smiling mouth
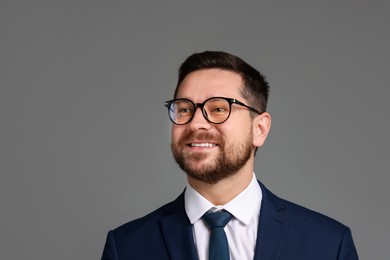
<point>202,145</point>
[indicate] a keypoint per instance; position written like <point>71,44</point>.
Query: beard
<point>227,162</point>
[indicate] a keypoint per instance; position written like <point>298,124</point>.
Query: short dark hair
<point>255,89</point>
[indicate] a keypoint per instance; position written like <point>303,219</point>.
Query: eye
<point>184,110</point>
<point>218,109</point>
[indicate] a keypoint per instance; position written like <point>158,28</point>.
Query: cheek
<point>238,132</point>
<point>176,133</point>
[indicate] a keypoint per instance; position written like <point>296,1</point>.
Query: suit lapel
<point>177,232</point>
<point>272,226</point>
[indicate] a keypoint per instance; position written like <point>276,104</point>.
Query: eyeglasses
<point>215,110</point>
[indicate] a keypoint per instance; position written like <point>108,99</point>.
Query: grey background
<point>84,141</point>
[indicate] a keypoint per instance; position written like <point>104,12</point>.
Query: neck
<point>227,189</point>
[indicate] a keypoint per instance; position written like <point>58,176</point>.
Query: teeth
<point>203,145</point>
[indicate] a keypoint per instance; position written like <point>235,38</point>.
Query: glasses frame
<point>231,101</point>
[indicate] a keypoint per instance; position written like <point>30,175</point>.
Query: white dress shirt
<point>241,231</point>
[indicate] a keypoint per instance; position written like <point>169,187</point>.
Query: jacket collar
<point>177,231</point>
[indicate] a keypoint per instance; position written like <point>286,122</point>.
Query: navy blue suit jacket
<point>286,232</point>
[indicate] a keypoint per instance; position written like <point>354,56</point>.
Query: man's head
<point>219,139</point>
<point>255,88</point>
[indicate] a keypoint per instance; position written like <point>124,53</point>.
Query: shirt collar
<point>243,207</point>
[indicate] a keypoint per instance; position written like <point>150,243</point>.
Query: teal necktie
<point>218,246</point>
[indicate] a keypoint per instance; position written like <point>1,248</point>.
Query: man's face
<point>211,152</point>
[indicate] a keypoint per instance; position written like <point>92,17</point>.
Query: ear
<point>261,127</point>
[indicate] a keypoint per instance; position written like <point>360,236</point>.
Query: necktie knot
<point>217,219</point>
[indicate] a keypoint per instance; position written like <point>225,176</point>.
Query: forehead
<point>202,84</point>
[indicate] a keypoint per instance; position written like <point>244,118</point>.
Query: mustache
<point>190,136</point>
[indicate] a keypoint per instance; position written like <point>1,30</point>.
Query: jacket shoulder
<point>308,232</point>
<point>302,216</point>
<point>149,221</point>
<point>132,239</point>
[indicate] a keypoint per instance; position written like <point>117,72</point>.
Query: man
<point>219,120</point>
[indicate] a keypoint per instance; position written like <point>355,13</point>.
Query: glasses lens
<point>217,110</point>
<point>181,111</point>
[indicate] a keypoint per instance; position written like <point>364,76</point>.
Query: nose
<point>199,121</point>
